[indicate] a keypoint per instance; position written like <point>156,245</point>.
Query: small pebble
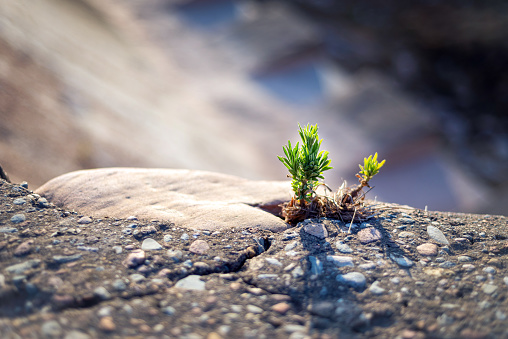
<point>51,329</point>
<point>86,248</point>
<point>406,220</point>
<point>85,220</point>
<point>343,248</point>
<point>256,290</point>
<point>480,278</point>
<point>427,249</point>
<point>367,266</point>
<point>107,324</point>
<point>200,247</point>
<point>150,244</point>
<point>176,256</point>
<point>169,310</point>
<point>24,248</point>
<point>369,235</point>
<point>119,285</point>
<point>323,309</point>
<point>353,279</point>
<point>489,288</point>
<point>292,253</point>
<point>297,272</point>
<point>62,259</point>
<point>19,201</point>
<point>273,261</point>
<point>463,241</point>
<point>468,267</point>
<point>23,267</point>
<point>43,202</point>
<point>291,246</point>
<point>376,289</point>
<point>267,276</point>
<point>105,311</point>
<point>340,261</point>
<point>395,280</point>
<point>167,238</point>
<point>316,229</point>
<point>135,258</point>
<point>464,258</point>
<point>17,218</point>
<point>136,277</point>
<point>281,308</point>
<point>489,270</point>
<point>8,230</point>
<point>447,264</point>
<point>254,309</point>
<point>293,328</point>
<point>402,260</point>
<point>191,282</point>
<point>184,237</point>
<point>289,236</point>
<point>102,293</point>
<point>405,234</point>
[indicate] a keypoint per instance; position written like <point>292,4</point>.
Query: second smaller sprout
<point>370,168</point>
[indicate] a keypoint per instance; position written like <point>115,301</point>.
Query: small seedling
<point>370,168</point>
<point>306,165</point>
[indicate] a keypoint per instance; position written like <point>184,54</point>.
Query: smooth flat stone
<point>436,235</point>
<point>427,249</point>
<point>150,244</point>
<point>191,282</point>
<point>188,198</point>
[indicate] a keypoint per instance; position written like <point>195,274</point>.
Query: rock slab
<point>189,198</point>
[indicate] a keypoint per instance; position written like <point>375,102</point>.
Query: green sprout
<point>370,168</point>
<point>305,164</point>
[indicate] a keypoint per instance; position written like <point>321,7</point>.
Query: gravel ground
<point>405,273</point>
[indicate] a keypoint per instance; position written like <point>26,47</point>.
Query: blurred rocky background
<point>220,85</point>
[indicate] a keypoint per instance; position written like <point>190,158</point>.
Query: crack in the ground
<point>91,299</point>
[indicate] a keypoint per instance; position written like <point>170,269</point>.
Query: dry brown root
<point>346,206</point>
<point>296,210</point>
